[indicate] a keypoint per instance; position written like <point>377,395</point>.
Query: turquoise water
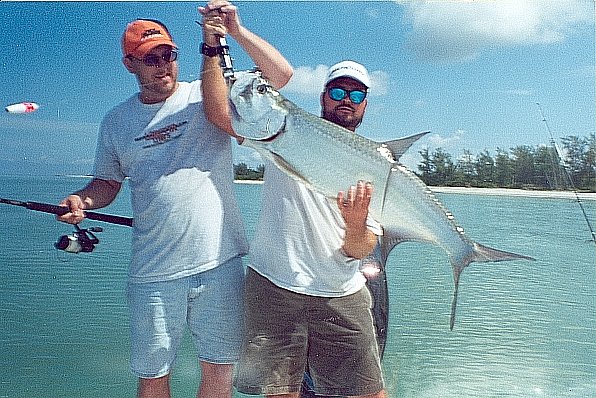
<point>523,329</point>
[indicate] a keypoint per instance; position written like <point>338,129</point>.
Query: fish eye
<point>262,88</point>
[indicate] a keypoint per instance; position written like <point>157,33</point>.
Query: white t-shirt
<point>186,218</point>
<point>298,240</point>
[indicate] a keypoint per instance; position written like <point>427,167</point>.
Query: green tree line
<point>539,167</point>
<point>243,172</point>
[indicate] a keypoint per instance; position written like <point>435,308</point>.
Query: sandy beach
<point>494,192</point>
<point>516,192</point>
<point>249,182</point>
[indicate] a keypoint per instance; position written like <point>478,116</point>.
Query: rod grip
<point>61,210</point>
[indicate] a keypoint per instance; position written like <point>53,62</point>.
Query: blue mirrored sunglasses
<point>154,59</point>
<point>338,94</point>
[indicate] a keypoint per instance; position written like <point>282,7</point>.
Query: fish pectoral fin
<point>401,145</point>
<point>287,168</point>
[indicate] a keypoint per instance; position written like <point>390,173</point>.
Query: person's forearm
<point>98,193</point>
<point>359,242</point>
<point>276,69</point>
<point>215,95</point>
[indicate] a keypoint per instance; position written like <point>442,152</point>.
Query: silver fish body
<point>328,158</point>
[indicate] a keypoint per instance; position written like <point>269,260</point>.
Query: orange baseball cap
<point>142,35</point>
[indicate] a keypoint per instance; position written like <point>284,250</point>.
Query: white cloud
<point>379,81</point>
<point>420,103</point>
<point>461,30</point>
<point>412,158</point>
<point>309,80</point>
<point>372,13</point>
<point>246,155</point>
<point>439,141</point>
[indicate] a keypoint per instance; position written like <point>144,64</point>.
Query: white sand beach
<point>516,192</point>
<point>249,182</point>
<point>494,192</point>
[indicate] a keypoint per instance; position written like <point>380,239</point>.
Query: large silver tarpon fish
<point>328,158</point>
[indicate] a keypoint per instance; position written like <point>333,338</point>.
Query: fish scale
<point>306,155</point>
<point>328,158</point>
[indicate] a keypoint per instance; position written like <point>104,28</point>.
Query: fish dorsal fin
<point>401,145</point>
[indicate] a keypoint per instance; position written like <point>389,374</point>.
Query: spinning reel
<point>81,240</point>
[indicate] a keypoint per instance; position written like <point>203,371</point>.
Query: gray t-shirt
<point>186,218</point>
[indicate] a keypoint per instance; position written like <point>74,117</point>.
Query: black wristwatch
<point>210,51</point>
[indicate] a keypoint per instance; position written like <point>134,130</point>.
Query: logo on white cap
<point>349,69</point>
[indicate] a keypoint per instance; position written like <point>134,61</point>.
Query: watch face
<point>208,50</point>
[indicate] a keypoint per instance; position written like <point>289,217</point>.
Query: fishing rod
<point>224,55</point>
<point>61,210</point>
<point>567,174</point>
<point>81,240</point>
<point>226,60</point>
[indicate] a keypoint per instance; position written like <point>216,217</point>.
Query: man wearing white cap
<point>306,304</point>
<point>343,100</point>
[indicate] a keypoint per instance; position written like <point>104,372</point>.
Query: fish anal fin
<point>480,254</point>
<point>484,254</point>
<point>456,274</point>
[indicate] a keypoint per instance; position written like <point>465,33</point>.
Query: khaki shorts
<point>286,330</point>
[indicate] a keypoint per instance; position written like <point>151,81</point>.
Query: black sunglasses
<point>155,60</point>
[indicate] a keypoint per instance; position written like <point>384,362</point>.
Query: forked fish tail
<point>481,254</point>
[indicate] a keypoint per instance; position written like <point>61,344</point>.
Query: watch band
<point>212,51</point>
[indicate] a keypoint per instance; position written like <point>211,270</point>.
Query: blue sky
<point>470,71</point>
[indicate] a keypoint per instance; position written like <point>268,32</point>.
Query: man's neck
<point>149,97</point>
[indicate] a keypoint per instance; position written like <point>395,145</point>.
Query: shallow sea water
<point>523,329</point>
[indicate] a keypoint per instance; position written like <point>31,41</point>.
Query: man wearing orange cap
<point>188,236</point>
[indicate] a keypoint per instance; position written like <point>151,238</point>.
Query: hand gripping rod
<point>61,210</point>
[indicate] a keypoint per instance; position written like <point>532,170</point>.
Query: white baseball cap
<point>349,69</point>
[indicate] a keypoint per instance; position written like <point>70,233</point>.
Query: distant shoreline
<point>492,192</point>
<point>249,182</point>
<point>515,192</point>
<point>472,191</point>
